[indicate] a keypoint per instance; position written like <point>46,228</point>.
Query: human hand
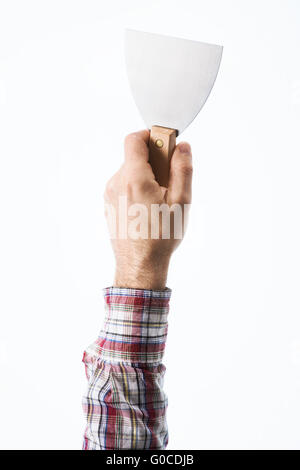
<point>143,241</point>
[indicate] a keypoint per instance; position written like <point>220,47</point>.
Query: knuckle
<point>185,168</point>
<point>185,199</point>
<point>109,189</point>
<point>130,138</point>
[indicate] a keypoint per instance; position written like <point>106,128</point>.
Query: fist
<point>147,221</point>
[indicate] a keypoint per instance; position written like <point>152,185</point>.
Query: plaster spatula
<point>170,79</point>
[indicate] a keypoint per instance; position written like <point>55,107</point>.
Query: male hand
<point>142,260</point>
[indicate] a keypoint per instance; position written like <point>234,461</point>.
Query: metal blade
<point>170,78</point>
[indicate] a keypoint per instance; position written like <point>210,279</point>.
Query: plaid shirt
<point>125,405</point>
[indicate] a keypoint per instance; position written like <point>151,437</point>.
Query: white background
<point>233,352</point>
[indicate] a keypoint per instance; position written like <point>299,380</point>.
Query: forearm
<point>125,405</point>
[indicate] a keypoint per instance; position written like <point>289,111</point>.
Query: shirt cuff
<point>135,326</point>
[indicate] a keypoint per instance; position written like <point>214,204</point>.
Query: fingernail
<point>184,147</point>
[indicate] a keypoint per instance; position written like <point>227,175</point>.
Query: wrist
<point>147,276</point>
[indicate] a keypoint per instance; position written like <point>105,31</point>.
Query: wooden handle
<point>161,147</point>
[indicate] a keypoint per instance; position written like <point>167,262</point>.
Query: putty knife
<point>170,79</point>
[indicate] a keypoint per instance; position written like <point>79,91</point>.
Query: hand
<point>141,242</point>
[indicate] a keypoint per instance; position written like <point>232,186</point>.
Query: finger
<point>181,170</point>
<point>136,147</point>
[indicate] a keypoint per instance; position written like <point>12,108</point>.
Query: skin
<point>144,263</point>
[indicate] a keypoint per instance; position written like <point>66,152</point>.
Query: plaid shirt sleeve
<point>125,405</point>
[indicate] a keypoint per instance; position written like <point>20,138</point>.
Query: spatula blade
<point>170,78</point>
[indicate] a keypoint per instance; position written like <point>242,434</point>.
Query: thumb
<point>180,179</point>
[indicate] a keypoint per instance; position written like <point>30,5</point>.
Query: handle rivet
<point>159,143</point>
